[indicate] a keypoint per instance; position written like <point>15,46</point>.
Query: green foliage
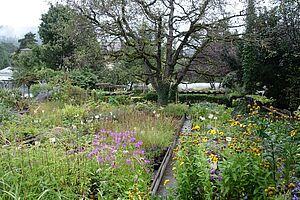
<point>255,156</point>
<point>84,78</point>
<point>6,49</point>
<point>60,161</point>
<point>40,88</point>
<point>192,174</point>
<point>28,41</point>
<point>6,114</point>
<point>196,98</point>
<point>151,96</point>
<point>261,99</point>
<point>176,110</point>
<point>119,100</point>
<point>69,41</point>
<point>9,98</point>
<point>272,53</point>
<point>25,66</point>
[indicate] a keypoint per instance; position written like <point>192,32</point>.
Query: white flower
<point>154,112</point>
<point>52,140</point>
<point>157,115</point>
<point>228,139</point>
<point>97,116</point>
<point>81,122</point>
<point>37,143</point>
<point>202,118</point>
<point>74,126</point>
<point>43,111</point>
<point>210,116</point>
<point>215,118</point>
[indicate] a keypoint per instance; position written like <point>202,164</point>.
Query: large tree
<point>69,40</point>
<point>166,35</point>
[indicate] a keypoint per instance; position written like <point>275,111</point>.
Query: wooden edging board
<point>160,173</point>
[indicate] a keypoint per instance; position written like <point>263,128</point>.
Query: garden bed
<point>250,156</point>
<point>82,151</point>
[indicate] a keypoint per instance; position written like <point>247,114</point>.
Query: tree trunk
<point>163,95</point>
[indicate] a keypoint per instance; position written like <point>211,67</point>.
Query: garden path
<point>165,189</point>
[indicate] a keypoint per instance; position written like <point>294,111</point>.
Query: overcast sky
<point>21,15</point>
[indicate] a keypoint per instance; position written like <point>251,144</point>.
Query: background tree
<point>26,64</point>
<point>214,62</point>
<point>6,49</point>
<point>166,35</point>
<point>271,54</point>
<point>69,40</point>
<point>28,41</point>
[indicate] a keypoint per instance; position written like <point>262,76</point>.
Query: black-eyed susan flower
<point>196,128</point>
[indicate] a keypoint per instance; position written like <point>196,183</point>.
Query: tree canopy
<point>165,35</point>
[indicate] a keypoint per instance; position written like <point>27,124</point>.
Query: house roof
<point>6,74</point>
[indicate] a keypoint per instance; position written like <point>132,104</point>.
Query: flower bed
<point>254,156</point>
<point>89,151</point>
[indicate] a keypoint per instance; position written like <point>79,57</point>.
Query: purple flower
<point>132,139</point>
<point>146,161</point>
<point>295,197</point>
<point>103,131</point>
<point>128,161</point>
<point>138,144</point>
<point>100,159</point>
<point>220,178</point>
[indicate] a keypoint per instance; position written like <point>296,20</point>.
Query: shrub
<point>40,88</point>
<point>175,110</point>
<point>151,96</point>
<point>10,98</point>
<point>196,98</point>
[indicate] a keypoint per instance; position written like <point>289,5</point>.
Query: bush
<point>119,100</point>
<point>151,96</point>
<point>196,98</point>
<point>40,88</point>
<point>176,110</point>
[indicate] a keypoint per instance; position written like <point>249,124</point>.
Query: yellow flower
<point>214,158</point>
<point>221,133</point>
<point>293,133</point>
<point>196,128</point>
<point>212,132</point>
<point>166,181</point>
<point>256,151</point>
<point>204,139</point>
<point>291,186</point>
<point>270,191</point>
